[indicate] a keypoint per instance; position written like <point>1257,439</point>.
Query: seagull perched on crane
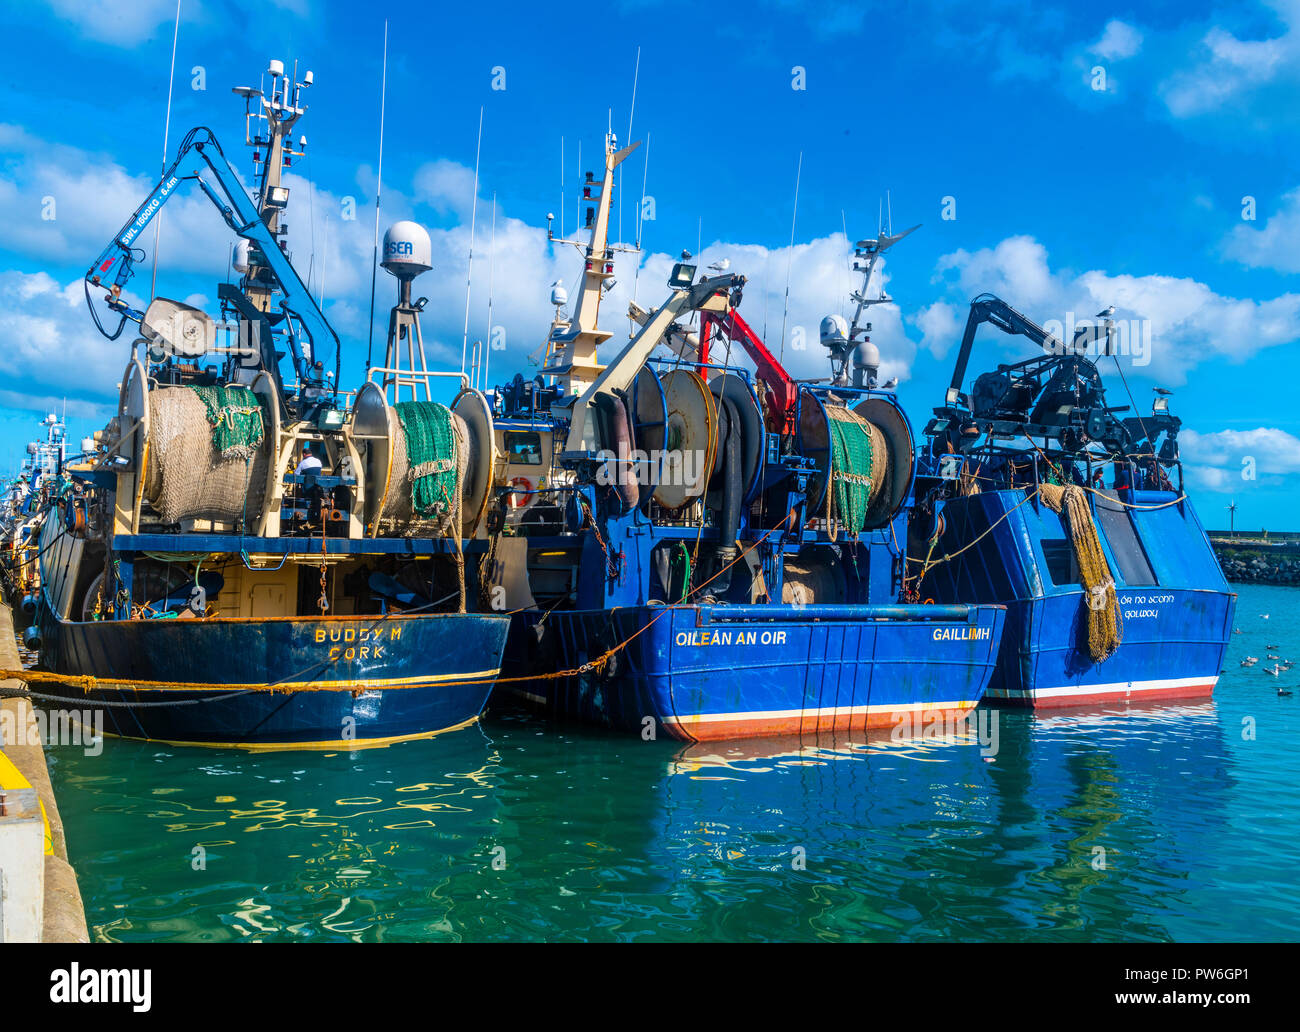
<point>1106,312</point>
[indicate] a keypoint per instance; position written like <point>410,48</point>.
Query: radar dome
<point>407,250</point>
<point>834,330</point>
<point>559,296</point>
<point>867,356</point>
<point>240,260</point>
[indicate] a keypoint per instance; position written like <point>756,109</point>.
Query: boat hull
<point>1175,608</point>
<point>325,682</point>
<point>1173,648</point>
<point>708,673</point>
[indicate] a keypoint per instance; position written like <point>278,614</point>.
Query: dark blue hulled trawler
<point>702,562</point>
<point>246,559</point>
<point>1036,493</point>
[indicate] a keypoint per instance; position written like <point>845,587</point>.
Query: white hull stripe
<point>825,711</point>
<point>1114,688</point>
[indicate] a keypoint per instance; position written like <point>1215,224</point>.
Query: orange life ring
<point>520,486</point>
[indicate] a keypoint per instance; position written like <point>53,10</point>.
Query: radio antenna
<point>794,217</point>
<point>473,218</point>
<point>379,182</point>
<point>167,125</point>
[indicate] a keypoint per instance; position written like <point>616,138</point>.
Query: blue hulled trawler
<point>1037,493</point>
<point>698,551</point>
<point>250,557</point>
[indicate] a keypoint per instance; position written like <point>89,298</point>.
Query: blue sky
<point>1067,197</point>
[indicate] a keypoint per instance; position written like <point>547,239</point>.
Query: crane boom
<point>201,154</point>
<point>710,294</point>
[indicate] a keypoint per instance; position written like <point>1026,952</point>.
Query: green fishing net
<point>431,454</point>
<point>236,417</point>
<point>851,459</point>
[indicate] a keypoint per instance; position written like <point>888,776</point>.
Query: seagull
<point>1271,656</point>
<point>1270,646</point>
<point>1106,312</point>
<point>721,266</point>
<point>1263,616</point>
<point>1164,392</point>
<point>1283,691</point>
<point>1272,671</point>
<point>1250,661</point>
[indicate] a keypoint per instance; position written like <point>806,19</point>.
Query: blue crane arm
<point>198,152</point>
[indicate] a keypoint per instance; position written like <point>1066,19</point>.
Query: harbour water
<point>1160,823</point>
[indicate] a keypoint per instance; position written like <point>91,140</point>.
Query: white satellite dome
<point>834,330</point>
<point>408,251</point>
<point>559,296</point>
<point>240,260</point>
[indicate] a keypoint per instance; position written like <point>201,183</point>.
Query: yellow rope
<point>1104,629</point>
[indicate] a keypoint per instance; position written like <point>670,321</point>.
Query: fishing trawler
<point>253,559</point>
<point>1037,493</point>
<point>699,565</point>
<point>25,503</point>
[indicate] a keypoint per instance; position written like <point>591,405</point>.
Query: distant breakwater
<point>1259,560</point>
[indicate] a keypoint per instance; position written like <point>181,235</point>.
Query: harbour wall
<point>63,916</point>
<point>1258,557</point>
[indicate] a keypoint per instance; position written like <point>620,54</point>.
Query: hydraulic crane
<point>200,158</point>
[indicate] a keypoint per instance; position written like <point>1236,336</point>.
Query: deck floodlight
<point>683,275</point>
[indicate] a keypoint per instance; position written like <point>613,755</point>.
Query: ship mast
<point>571,347</point>
<point>268,125</point>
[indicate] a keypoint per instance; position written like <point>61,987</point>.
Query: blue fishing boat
<point>248,557</point>
<point>1035,492</point>
<point>701,563</point>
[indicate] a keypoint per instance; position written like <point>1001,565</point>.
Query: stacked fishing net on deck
<point>430,457</point>
<point>859,464</point>
<point>1104,630</point>
<point>207,453</point>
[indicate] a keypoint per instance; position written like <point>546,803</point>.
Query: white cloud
<point>50,345</point>
<point>1239,460</point>
<point>1181,322</point>
<point>64,205</point>
<point>1226,68</point>
<point>126,23</point>
<point>1275,245</point>
<point>1119,41</point>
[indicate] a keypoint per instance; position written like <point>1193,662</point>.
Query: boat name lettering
<point>354,634</point>
<point>963,633</point>
<point>701,638</point>
<point>356,652</point>
<point>1143,600</point>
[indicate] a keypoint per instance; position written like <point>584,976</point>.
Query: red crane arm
<point>783,392</point>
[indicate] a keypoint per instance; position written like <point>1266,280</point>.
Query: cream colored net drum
<point>184,476</point>
<point>379,437</point>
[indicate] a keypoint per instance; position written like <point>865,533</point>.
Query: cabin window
<point>523,448</point>
<point>1062,569</point>
<point>1115,523</point>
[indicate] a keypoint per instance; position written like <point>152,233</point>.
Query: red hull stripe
<point>716,727</point>
<point>1087,694</point>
